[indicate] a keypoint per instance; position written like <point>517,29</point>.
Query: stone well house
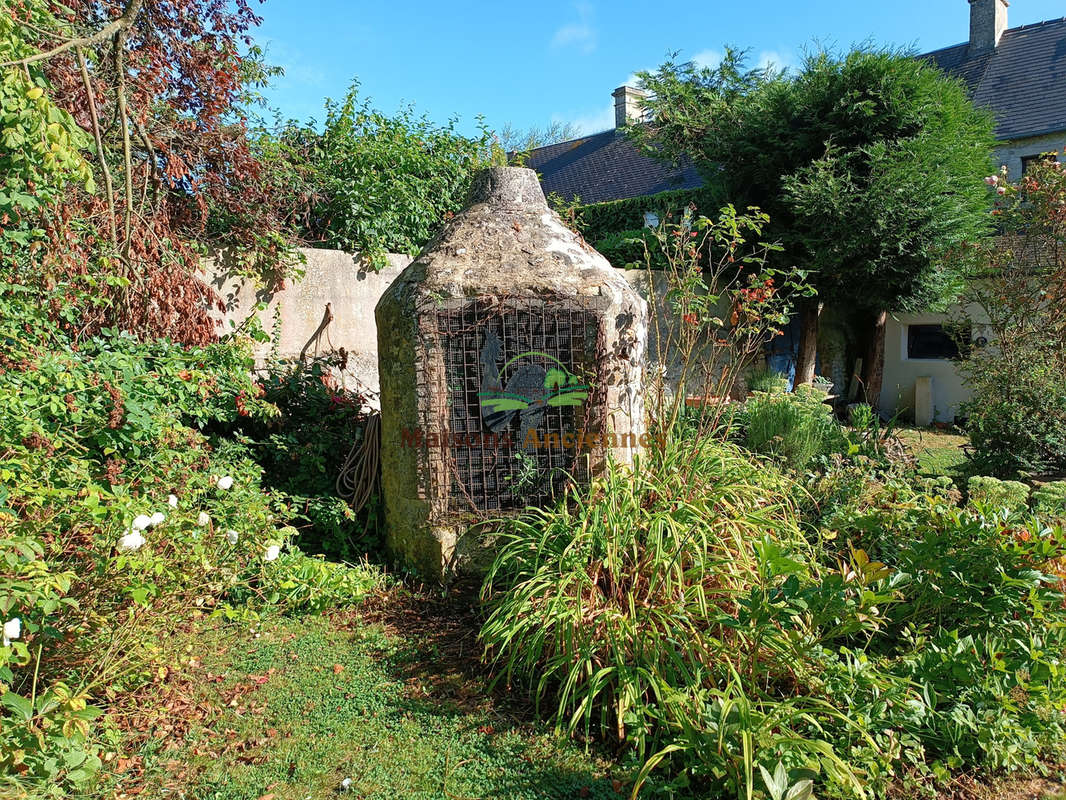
<point>1017,73</point>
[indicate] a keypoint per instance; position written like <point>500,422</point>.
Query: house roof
<point>1023,82</point>
<point>606,166</point>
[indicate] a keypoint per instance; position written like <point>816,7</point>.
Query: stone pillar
<point>924,411</point>
<point>628,105</point>
<point>511,359</point>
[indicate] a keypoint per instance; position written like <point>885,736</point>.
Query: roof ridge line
<point>1056,21</point>
<point>1035,25</point>
<point>571,141</point>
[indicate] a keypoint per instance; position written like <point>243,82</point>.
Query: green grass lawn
<point>392,699</point>
<point>294,708</point>
<point>937,452</point>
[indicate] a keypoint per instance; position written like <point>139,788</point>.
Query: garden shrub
<point>299,583</point>
<point>846,496</point>
<point>1016,417</point>
<point>850,626</point>
<point>118,518</point>
<point>633,249</point>
<point>597,221</point>
<point>793,429</point>
<point>993,493</point>
<point>302,449</point>
<point>1050,498</point>
<point>369,182</point>
<point>977,624</point>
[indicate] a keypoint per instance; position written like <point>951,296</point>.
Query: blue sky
<point>531,63</point>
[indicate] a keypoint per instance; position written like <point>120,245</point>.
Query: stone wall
<point>297,317</point>
<point>294,314</point>
<point>663,329</point>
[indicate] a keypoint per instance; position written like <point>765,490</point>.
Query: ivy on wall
<point>599,220</point>
<point>619,229</point>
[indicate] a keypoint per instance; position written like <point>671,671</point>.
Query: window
<point>930,342</point>
<point>1028,161</point>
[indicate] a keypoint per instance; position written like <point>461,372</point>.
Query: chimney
<point>627,105</point>
<point>988,21</point>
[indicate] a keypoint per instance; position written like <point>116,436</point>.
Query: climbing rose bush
<point>1017,416</point>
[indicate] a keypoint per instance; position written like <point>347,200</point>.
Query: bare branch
<point>119,48</point>
<point>129,16</point>
<point>153,164</point>
<point>108,186</point>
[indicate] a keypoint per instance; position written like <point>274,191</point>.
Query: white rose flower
<point>133,540</point>
<point>203,520</point>
<point>172,500</point>
<point>12,630</point>
<point>157,518</point>
<point>232,536</point>
<point>224,483</point>
<point>141,522</point>
<point>272,553</point>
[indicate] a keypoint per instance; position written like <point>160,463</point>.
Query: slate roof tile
<point>606,166</point>
<point>1023,82</point>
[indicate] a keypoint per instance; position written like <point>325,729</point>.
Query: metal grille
<point>502,460</point>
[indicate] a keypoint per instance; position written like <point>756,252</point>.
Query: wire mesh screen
<point>519,400</point>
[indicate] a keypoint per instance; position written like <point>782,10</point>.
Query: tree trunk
<point>873,368</point>
<point>810,311</point>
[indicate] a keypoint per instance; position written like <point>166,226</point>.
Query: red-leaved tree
<point>159,88</point>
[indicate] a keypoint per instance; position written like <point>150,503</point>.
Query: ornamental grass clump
<point>633,608</point>
<point>611,603</point>
<point>793,429</point>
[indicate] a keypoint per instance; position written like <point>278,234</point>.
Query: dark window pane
<point>1028,161</point>
<point>930,341</point>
